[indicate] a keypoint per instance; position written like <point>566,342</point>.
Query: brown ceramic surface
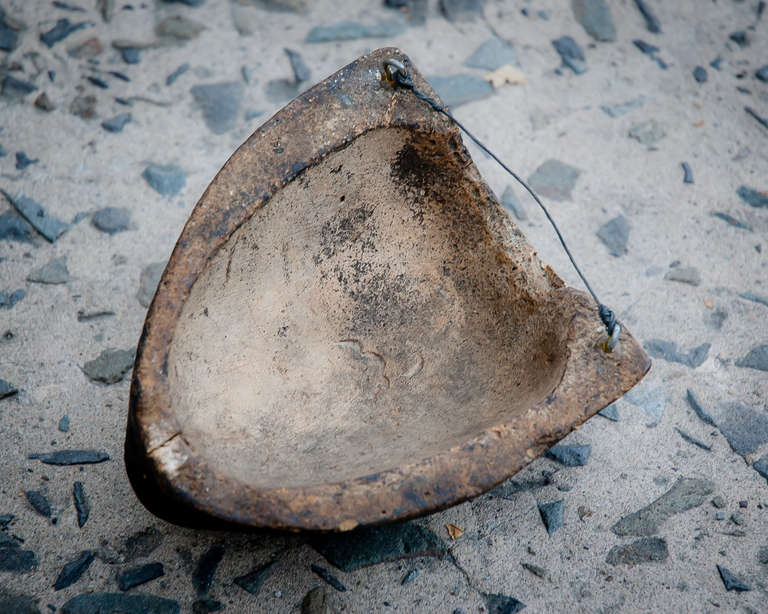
<point>350,329</point>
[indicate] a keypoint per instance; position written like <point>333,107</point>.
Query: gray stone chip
<point>648,132</point>
<point>47,225</point>
<point>220,104</point>
<point>54,272</point>
<point>756,358</point>
<point>352,30</point>
<point>110,366</point>
<point>685,494</point>
<point>455,90</point>
<point>112,220</point>
<point>643,550</point>
<point>492,54</point>
<point>148,282</point>
<point>595,17</point>
<point>554,179</point>
<point>166,179</point>
<point>615,234</point>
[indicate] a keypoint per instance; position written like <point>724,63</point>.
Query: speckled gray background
<point>684,265</point>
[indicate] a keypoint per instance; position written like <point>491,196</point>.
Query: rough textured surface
<point>53,272</point>
<point>615,234</point>
<point>47,225</point>
<point>492,54</point>
<point>685,494</point>
<point>455,90</point>
<point>374,545</point>
<point>220,104</point>
<point>644,550</point>
<point>112,219</point>
<point>165,179</point>
<point>554,179</point>
<point>115,603</point>
<point>110,366</point>
<point>595,17</point>
<point>83,168</point>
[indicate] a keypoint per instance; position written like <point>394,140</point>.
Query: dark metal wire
<point>399,76</point>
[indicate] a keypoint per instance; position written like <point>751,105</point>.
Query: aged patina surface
<point>351,331</point>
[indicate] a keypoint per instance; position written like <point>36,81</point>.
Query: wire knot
<point>612,327</point>
<point>397,74</point>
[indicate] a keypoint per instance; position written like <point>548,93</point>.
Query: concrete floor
<point>83,168</point>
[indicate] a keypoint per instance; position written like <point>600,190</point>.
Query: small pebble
<point>33,212</point>
<point>82,504</point>
<point>756,358</point>
<point>740,38</point>
<point>686,275</point>
<point>44,103</point>
<point>54,272</point>
<point>39,502</point>
<point>70,457</point>
<point>615,234</point>
<point>328,577</point>
<point>73,570</point>
<point>7,389</point>
<point>64,424</point>
<point>178,29</point>
<point>63,28</point>
<point>8,300</point>
<point>552,515</point>
<point>253,580</point>
<point>571,54</point>
<point>410,576</point>
<point>300,69</point>
<point>131,55</point>
<point>97,82</point>
<point>23,160</point>
<point>651,21</point>
<point>112,220</point>
<point>512,204</point>
<point>595,17</point>
<point>731,220</point>
<point>137,576</point>
<point>754,198</point>
<point>83,106</point>
<point>171,79</point>
<point>687,172</point>
<point>166,179</point>
<point>117,123</point>
<point>731,582</point>
<point>202,579</point>
<point>758,118</point>
<point>503,604</point>
<point>570,455</point>
<point>16,88</point>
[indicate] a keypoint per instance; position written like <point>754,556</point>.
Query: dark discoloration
<point>197,495</point>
